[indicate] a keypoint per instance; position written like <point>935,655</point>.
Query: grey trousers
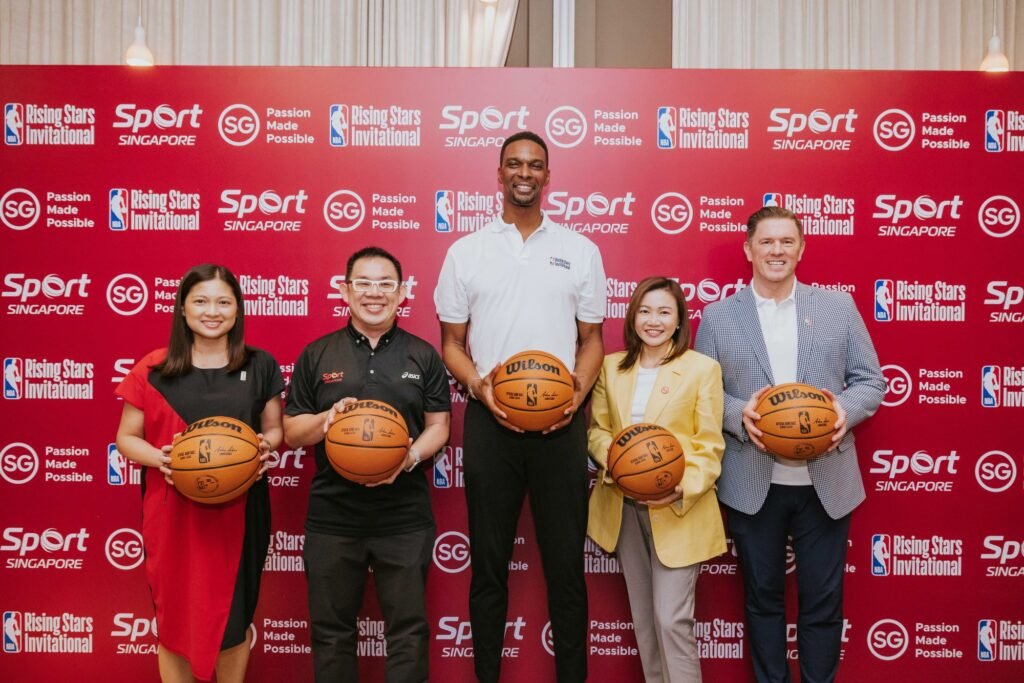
<point>661,600</point>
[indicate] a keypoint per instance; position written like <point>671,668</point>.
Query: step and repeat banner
<point>113,182</point>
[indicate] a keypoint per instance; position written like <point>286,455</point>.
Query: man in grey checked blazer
<point>778,330</point>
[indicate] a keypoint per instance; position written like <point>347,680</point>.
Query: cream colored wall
<point>609,33</point>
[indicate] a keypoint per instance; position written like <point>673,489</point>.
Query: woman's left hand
<point>264,456</point>
<point>676,494</point>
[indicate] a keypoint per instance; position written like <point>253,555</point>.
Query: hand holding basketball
<point>798,421</point>
<point>264,456</point>
<point>750,417</point>
<point>485,393</point>
<point>368,442</point>
<point>577,396</point>
<point>394,475</point>
<point>668,499</point>
<point>535,390</point>
<point>165,462</point>
<point>338,408</point>
<point>215,460</point>
<point>647,462</point>
<point>840,420</point>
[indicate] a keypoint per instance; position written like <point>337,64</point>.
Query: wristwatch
<point>415,459</point>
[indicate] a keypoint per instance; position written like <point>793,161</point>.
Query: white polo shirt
<point>780,330</point>
<point>519,296</point>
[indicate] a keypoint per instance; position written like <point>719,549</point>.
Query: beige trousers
<point>661,601</point>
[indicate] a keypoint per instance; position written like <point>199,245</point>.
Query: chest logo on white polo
<point>559,263</point>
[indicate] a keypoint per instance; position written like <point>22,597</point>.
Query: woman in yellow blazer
<point>660,544</point>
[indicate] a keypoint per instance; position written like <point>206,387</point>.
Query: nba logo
<point>14,124</point>
<point>880,555</point>
<point>771,199</point>
<point>339,125</point>
<point>444,210</point>
<point>443,470</point>
<point>116,466</point>
<point>666,127</point>
<point>12,378</point>
<point>118,205</point>
<point>991,380</point>
<point>12,632</point>
<point>986,640</point>
<point>883,300</point>
<point>995,130</point>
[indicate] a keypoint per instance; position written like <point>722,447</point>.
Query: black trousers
<point>819,543</point>
<point>336,569</point>
<point>501,468</point>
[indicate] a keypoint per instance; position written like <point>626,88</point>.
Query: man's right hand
<point>483,389</point>
<point>750,416</point>
<point>342,406</point>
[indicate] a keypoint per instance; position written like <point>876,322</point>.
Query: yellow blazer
<point>686,400</point>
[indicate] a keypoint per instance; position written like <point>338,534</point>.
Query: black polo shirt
<point>403,371</point>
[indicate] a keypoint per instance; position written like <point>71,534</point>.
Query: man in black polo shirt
<point>351,527</point>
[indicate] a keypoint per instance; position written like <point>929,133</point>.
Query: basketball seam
<point>211,467</point>
<point>534,410</point>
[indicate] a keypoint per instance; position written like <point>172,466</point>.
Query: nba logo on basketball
<point>991,380</point>
<point>667,126</point>
<point>13,378</point>
<point>12,632</point>
<point>339,125</point>
<point>883,300</point>
<point>115,466</point>
<point>444,211</point>
<point>118,205</point>
<point>986,640</point>
<point>880,555</point>
<point>771,199</point>
<point>995,130</point>
<point>14,123</point>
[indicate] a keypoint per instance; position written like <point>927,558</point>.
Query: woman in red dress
<point>203,562</point>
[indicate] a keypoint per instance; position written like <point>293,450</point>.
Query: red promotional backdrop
<point>113,182</point>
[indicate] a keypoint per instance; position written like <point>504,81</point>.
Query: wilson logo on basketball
<point>628,435</point>
<point>531,364</point>
<point>212,422</point>
<point>366,403</point>
<point>794,395</point>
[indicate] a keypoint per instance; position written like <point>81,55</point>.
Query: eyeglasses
<point>383,286</point>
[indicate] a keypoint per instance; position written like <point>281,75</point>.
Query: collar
<point>760,301</point>
<point>361,339</point>
<point>498,225</point>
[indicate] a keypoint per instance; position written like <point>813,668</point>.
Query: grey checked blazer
<point>834,353</point>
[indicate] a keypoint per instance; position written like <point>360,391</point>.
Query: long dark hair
<point>179,348</point>
<point>680,338</point>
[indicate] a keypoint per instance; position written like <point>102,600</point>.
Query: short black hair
<point>523,135</point>
<point>371,252</point>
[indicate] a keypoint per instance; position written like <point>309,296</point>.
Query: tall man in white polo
<point>775,331</point>
<point>524,282</point>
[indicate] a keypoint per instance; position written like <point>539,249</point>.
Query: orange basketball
<point>367,443</point>
<point>216,459</point>
<point>533,388</point>
<point>646,461</point>
<point>798,420</point>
